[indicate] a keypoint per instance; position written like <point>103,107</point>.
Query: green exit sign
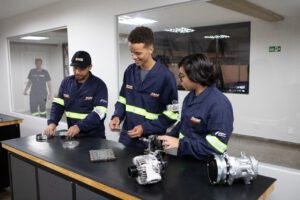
<point>275,49</point>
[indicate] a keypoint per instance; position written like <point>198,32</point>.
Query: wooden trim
<point>11,123</point>
<point>267,192</point>
<point>88,181</point>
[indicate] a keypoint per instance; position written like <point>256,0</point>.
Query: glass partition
<point>39,62</point>
<point>187,28</point>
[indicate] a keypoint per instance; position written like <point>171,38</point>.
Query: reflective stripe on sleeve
<point>74,115</point>
<point>59,101</point>
<point>181,135</point>
<point>122,100</point>
<point>171,115</point>
<point>216,143</point>
<point>142,112</point>
<point>101,111</point>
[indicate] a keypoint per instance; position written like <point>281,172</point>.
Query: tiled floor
<point>5,194</point>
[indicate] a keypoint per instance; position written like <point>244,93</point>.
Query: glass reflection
<point>39,62</point>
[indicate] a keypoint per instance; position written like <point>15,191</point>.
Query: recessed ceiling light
<point>180,30</point>
<point>34,38</point>
<point>135,20</point>
<point>216,36</point>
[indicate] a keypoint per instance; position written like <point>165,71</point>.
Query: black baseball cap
<point>81,59</point>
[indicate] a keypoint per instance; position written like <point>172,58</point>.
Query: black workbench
<point>9,128</point>
<point>184,178</point>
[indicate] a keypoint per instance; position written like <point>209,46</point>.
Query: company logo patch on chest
<point>129,87</point>
<point>220,134</point>
<point>88,98</point>
<point>195,120</point>
<point>155,95</point>
<point>66,96</point>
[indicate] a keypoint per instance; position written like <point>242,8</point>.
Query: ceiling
<point>198,13</point>
<point>55,37</point>
<point>10,8</point>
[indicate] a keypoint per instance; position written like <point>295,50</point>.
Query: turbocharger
<point>149,168</point>
<point>225,169</point>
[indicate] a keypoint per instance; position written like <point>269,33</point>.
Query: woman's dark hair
<point>141,34</point>
<point>199,69</point>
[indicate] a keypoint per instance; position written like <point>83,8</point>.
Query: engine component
<point>174,107</point>
<point>154,144</point>
<point>42,137</point>
<point>148,169</point>
<point>225,169</point>
<point>70,144</point>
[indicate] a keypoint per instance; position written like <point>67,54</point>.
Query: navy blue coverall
<point>145,102</point>
<point>84,105</point>
<point>206,124</point>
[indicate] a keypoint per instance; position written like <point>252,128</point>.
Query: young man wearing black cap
<point>147,91</point>
<point>83,98</point>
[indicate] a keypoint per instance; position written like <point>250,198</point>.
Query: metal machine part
<point>42,137</point>
<point>71,144</point>
<point>174,107</point>
<point>148,169</point>
<point>62,133</point>
<point>154,144</point>
<point>224,169</point>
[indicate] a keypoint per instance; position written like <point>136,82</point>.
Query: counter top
<point>185,178</point>
<point>6,120</point>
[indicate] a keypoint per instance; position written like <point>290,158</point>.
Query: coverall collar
<point>194,99</point>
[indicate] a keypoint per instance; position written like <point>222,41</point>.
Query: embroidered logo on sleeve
<point>129,87</point>
<point>220,134</point>
<point>103,101</point>
<point>153,94</point>
<point>195,120</point>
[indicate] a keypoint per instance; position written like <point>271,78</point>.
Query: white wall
<point>125,60</point>
<point>272,110</point>
<point>91,26</point>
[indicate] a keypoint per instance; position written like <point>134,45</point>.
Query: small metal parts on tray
<point>102,155</point>
<point>42,137</point>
